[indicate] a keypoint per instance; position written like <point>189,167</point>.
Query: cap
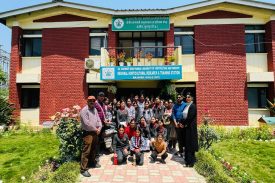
<point>101,94</point>
<point>91,98</point>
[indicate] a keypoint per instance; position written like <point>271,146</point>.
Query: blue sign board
<point>141,72</point>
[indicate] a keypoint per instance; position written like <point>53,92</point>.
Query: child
<point>137,146</point>
<point>159,149</point>
<point>121,145</point>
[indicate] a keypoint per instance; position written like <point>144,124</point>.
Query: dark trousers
<point>121,156</point>
<point>190,158</point>
<point>172,143</point>
<point>89,149</point>
<point>180,138</point>
<point>139,157</point>
<point>154,155</point>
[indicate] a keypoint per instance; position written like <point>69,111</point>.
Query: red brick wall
<point>64,18</point>
<point>15,67</point>
<point>112,40</point>
<point>270,48</point>
<point>218,14</point>
<point>169,41</point>
<point>63,81</point>
<point>222,73</point>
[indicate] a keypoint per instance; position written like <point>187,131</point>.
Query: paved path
<point>172,171</point>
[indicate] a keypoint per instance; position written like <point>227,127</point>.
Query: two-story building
<point>224,53</point>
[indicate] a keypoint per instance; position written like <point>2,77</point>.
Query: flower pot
<point>172,63</point>
<point>111,63</point>
<point>121,63</point>
<point>129,63</point>
<point>149,62</point>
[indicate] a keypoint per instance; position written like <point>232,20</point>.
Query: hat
<point>101,94</point>
<point>91,98</point>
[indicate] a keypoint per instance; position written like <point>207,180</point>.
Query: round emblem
<point>118,23</point>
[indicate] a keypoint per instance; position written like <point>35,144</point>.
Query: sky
<point>6,5</point>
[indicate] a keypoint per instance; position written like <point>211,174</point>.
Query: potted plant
<point>172,60</point>
<point>112,89</point>
<point>121,58</point>
<point>138,57</point>
<point>112,60</point>
<point>129,61</point>
<point>149,57</point>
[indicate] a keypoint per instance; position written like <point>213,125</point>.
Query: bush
<point>6,110</point>
<point>66,173</point>
<point>207,136</point>
<point>207,166</point>
<point>69,133</point>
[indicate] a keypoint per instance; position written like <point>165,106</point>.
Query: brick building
<point>224,53</point>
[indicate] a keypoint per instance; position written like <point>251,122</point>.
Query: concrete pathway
<point>172,171</point>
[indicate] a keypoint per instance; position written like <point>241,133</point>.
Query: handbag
<point>166,120</point>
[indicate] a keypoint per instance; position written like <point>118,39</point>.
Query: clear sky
<point>5,5</point>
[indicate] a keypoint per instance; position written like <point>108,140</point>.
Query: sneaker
<point>86,174</point>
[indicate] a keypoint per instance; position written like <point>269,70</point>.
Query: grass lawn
<point>256,158</point>
<point>21,154</point>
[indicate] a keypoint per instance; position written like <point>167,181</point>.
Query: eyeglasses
<point>179,97</point>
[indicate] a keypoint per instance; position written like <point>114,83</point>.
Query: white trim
<point>184,85</point>
<point>98,86</point>
<point>97,34</point>
<point>32,35</point>
<point>255,31</point>
<point>184,33</point>
<point>257,85</point>
<point>135,12</point>
<point>258,109</point>
<point>30,86</point>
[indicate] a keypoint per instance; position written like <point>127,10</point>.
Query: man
<point>158,109</point>
<point>91,126</point>
<point>178,120</point>
<point>140,104</point>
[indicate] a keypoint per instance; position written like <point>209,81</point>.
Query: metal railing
<point>5,66</point>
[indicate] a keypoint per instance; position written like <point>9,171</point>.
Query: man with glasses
<point>91,126</point>
<point>178,119</point>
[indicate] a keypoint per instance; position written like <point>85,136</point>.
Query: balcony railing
<point>140,56</point>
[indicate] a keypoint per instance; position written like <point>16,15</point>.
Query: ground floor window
<point>30,97</point>
<point>257,97</point>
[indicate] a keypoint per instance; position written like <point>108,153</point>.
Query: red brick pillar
<point>222,87</point>
<point>169,41</point>
<point>15,67</point>
<point>112,40</point>
<point>270,48</point>
<point>63,82</point>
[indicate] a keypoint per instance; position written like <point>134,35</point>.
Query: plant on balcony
<point>149,56</point>
<point>170,60</point>
<point>121,58</point>
<point>129,61</point>
<point>138,55</point>
<point>112,89</point>
<point>112,60</point>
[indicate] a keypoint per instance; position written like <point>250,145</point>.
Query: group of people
<point>141,125</point>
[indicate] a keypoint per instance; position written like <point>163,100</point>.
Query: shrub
<point>69,133</point>
<point>66,173</point>
<point>6,110</point>
<point>207,166</point>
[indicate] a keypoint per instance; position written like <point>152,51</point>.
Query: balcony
<point>132,58</point>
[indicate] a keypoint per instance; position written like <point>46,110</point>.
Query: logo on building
<point>108,73</point>
<point>118,23</point>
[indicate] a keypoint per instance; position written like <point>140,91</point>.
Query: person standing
<point>147,112</point>
<point>122,115</point>
<point>91,126</point>
<point>141,105</point>
<point>191,132</point>
<point>177,118</point>
<point>158,109</point>
<point>131,110</point>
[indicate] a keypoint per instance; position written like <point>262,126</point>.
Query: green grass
<point>22,154</point>
<point>256,158</point>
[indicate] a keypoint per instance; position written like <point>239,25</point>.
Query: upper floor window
<point>255,39</point>
<point>32,43</point>
<point>257,97</point>
<point>184,37</point>
<point>98,39</point>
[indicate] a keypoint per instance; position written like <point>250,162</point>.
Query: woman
<point>147,113</point>
<point>122,115</point>
<point>131,129</point>
<point>131,110</point>
<point>145,132</point>
<point>137,147</point>
<point>159,149</point>
<point>121,145</point>
<point>162,130</point>
<point>153,128</point>
<point>169,125</point>
<point>191,134</point>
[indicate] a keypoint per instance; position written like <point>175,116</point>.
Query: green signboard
<point>140,24</point>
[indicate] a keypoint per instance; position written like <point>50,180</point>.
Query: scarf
<point>161,129</point>
<point>120,135</point>
<point>137,141</point>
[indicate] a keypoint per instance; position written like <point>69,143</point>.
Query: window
<point>32,43</point>
<point>30,97</point>
<point>96,43</point>
<point>184,38</point>
<point>255,39</point>
<point>186,42</point>
<point>257,97</point>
